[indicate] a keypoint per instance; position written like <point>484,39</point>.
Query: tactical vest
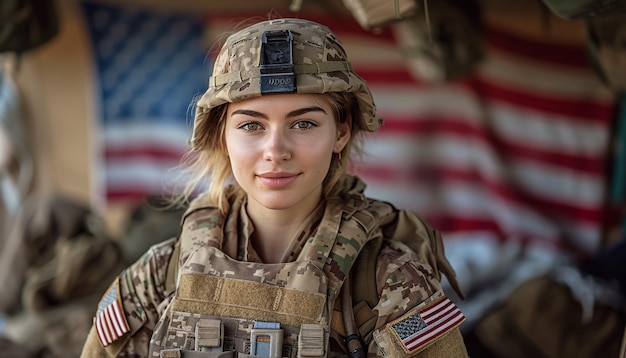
<point>227,308</point>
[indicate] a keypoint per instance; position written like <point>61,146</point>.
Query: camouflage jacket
<point>411,315</point>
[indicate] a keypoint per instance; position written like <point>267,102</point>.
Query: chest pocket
<point>226,305</point>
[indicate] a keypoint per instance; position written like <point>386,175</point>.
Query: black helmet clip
<point>276,67</point>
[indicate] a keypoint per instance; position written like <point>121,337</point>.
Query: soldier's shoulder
<point>163,248</point>
<point>403,275</point>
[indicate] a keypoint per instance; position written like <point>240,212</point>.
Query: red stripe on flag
<point>578,108</point>
<point>114,320</point>
<point>589,163</point>
<point>561,54</point>
<point>386,76</point>
<point>147,152</point>
<point>110,324</point>
<point>457,223</point>
<point>117,310</point>
<point>510,193</point>
<point>103,332</point>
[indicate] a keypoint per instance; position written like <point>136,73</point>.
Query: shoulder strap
<point>200,215</point>
<point>364,272</point>
<point>172,269</point>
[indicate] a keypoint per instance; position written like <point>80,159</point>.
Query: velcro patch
<point>424,325</point>
<point>110,321</point>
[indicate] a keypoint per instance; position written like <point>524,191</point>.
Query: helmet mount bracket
<point>276,62</point>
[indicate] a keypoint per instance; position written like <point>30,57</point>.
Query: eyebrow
<point>293,113</point>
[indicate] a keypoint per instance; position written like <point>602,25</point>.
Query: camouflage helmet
<point>283,56</point>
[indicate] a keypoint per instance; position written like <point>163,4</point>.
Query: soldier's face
<point>280,149</point>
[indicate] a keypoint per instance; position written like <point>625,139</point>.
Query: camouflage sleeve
<point>414,317</point>
<point>140,291</point>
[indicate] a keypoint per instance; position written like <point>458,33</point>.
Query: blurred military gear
<point>319,65</point>
<point>68,259</point>
<point>610,265</point>
<point>69,255</point>
<point>17,171</point>
<point>585,9</point>
<point>173,296</point>
<point>446,43</point>
<point>375,14</point>
<point>606,44</point>
<point>27,24</point>
<point>149,223</point>
<point>9,349</point>
<point>561,314</point>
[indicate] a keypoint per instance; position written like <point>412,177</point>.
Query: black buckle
<point>359,352</point>
<point>276,67</point>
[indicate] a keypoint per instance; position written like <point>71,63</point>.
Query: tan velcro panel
<point>229,297</point>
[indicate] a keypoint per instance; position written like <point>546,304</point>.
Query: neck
<point>274,230</point>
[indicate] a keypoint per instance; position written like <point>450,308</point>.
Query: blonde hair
<point>211,162</point>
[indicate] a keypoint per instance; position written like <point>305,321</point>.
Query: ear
<point>344,132</point>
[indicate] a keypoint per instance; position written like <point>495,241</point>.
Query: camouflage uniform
<point>407,281</point>
<point>207,291</point>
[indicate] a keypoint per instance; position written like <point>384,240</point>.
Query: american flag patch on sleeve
<point>424,325</point>
<point>110,321</point>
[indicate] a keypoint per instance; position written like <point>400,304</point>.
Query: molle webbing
<point>299,69</point>
<point>201,293</point>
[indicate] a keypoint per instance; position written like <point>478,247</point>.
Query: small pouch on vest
<point>311,341</point>
<point>209,335</point>
<point>180,353</point>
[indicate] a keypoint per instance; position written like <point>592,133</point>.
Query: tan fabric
<point>542,319</point>
<point>93,348</point>
<point>246,299</point>
<point>9,349</point>
<point>451,345</point>
<point>372,14</point>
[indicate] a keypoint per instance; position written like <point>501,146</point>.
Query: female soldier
<point>283,256</point>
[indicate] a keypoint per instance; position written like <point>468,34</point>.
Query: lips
<point>277,180</point>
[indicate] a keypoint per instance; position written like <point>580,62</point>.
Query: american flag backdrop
<point>517,152</point>
<point>511,163</point>
<point>149,66</point>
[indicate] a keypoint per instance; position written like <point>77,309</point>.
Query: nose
<point>277,147</point>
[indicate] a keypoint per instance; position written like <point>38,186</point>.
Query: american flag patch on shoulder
<point>423,325</point>
<point>110,321</point>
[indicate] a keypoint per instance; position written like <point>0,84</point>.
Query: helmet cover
<point>283,56</point>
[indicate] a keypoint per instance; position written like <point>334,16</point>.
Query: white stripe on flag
<point>109,323</point>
